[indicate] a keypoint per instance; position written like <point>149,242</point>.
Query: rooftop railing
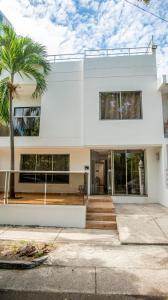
<point>102,53</point>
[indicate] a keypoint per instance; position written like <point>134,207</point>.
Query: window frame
<point>36,174</point>
<point>37,117</point>
<point>120,100</point>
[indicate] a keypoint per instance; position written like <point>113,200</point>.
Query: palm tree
<point>24,57</point>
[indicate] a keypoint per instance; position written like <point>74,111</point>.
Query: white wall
<point>78,159</point>
<point>134,73</point>
<point>70,106</point>
<point>43,215</point>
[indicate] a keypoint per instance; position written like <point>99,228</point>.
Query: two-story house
<point>103,113</point>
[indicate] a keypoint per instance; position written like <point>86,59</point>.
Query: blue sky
<point>68,26</point>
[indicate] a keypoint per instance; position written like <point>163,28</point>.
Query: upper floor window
<point>120,105</point>
<point>26,121</point>
<point>44,162</point>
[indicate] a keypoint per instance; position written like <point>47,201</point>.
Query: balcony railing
<point>102,53</point>
<point>43,190</point>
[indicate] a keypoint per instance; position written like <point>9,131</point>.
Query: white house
<point>103,113</point>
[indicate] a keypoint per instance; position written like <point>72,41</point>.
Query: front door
<point>100,172</point>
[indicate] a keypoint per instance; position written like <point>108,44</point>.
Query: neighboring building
<point>3,20</point>
<point>101,113</point>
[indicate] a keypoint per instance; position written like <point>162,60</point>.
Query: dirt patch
<point>23,250</point>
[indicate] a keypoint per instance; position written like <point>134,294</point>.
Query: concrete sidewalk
<point>142,223</point>
<point>87,264</point>
<point>64,235</point>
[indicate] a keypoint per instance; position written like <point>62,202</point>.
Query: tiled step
<point>101,217</point>
<point>101,225</point>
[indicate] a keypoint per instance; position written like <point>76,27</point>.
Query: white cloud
<point>66,26</point>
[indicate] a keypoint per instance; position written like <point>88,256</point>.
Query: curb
<point>45,295</point>
<point>21,264</point>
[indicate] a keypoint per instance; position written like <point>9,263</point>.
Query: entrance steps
<point>100,213</point>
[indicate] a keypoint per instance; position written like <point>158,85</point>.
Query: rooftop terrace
<point>103,53</point>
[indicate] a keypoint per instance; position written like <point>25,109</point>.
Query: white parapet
<point>43,215</point>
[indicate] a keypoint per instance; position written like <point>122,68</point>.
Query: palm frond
<point>4,101</point>
<point>21,55</point>
<point>41,85</point>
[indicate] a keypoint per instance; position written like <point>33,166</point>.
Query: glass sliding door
<point>119,172</point>
<point>135,172</point>
<point>128,172</point>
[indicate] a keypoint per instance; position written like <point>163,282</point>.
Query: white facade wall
<point>134,73</point>
<point>70,122</point>
<point>70,107</point>
<point>43,215</point>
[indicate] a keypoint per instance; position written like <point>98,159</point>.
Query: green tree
<point>24,57</point>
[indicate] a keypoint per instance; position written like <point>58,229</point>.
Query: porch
<point>42,204</point>
<point>49,199</point>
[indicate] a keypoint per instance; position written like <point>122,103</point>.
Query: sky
<point>71,26</point>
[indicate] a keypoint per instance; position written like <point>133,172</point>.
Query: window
<point>26,121</point>
<point>120,105</point>
<point>44,162</point>
<point>129,175</point>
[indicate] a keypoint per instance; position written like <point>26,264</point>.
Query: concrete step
<point>101,216</point>
<point>101,225</point>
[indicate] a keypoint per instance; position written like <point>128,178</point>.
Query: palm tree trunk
<point>12,151</point>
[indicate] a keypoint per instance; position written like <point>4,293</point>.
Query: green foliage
<point>20,55</point>
<point>4,101</point>
<point>145,1</point>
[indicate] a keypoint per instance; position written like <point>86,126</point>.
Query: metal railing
<point>44,187</point>
<point>110,52</point>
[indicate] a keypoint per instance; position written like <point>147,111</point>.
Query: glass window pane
<point>28,162</point>
<point>135,172</point>
<point>131,105</point>
<point>18,111</point>
<point>110,106</point>
<point>44,162</point>
<point>60,162</point>
<point>18,126</point>
<point>32,126</point>
<point>35,111</point>
<point>27,126</point>
<point>27,111</point>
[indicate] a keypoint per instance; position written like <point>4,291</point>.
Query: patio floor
<point>51,199</point>
<point>142,223</point>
